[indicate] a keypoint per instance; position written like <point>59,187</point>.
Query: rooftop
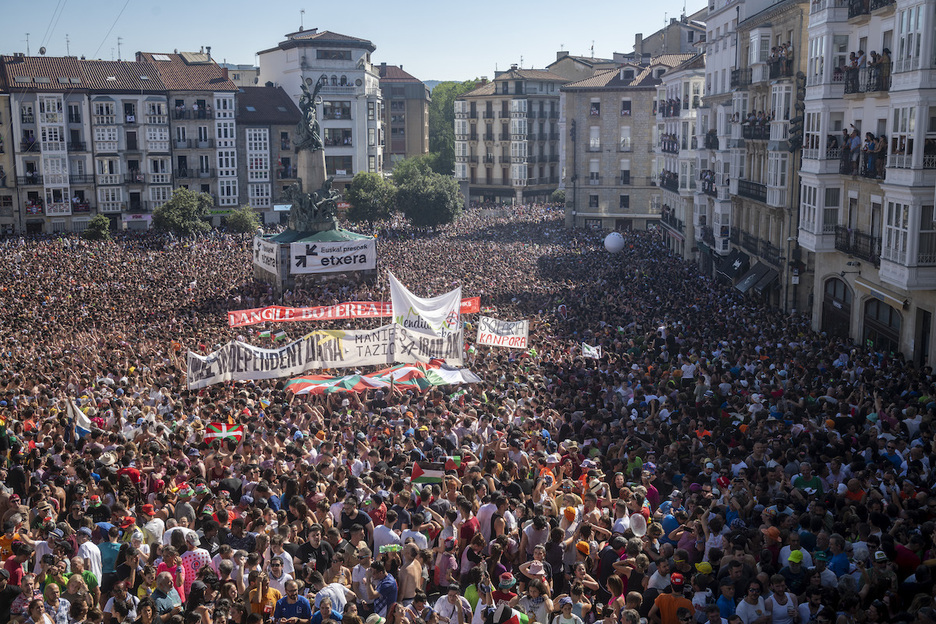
<point>188,71</point>
<point>266,105</point>
<point>315,38</point>
<point>393,73</point>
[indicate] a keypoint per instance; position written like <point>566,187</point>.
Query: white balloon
<point>614,242</point>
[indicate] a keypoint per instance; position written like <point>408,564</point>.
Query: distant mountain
<point>431,84</point>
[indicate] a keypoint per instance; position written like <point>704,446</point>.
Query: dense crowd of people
<point>719,463</point>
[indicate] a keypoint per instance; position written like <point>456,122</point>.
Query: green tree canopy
<point>558,196</point>
<point>430,199</point>
<point>412,168</point>
<point>371,197</point>
<point>98,228</point>
<point>184,214</point>
<point>243,220</point>
<point>442,123</point>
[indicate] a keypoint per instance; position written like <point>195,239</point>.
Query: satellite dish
<point>42,51</point>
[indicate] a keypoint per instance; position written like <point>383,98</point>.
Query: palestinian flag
<point>452,462</point>
<point>218,431</point>
<point>266,334</point>
<point>427,473</point>
<point>280,335</point>
<point>589,351</point>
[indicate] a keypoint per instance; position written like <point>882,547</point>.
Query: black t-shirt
<point>514,490</point>
<point>347,522</point>
<point>100,513</point>
<point>232,485</point>
<point>7,595</point>
<point>16,480</point>
<point>320,557</point>
<point>403,517</point>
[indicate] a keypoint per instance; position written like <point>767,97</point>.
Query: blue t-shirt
<point>726,606</point>
<point>839,564</point>
<point>387,595</point>
<point>109,552</point>
<point>300,609</point>
<point>317,618</point>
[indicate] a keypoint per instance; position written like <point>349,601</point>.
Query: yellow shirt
<point>258,603</point>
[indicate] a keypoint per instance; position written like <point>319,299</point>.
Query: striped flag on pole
<point>426,474</point>
<point>591,352</point>
<point>81,420</point>
<point>280,335</point>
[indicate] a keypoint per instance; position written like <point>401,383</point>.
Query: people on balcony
<point>783,54</point>
<point>671,107</point>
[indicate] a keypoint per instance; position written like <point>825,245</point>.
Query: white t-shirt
<point>335,591</point>
<point>658,581</point>
<point>384,536</point>
<point>92,553</point>
<point>418,537</point>
<point>749,612</point>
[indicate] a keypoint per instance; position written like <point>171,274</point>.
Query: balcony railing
<point>876,78</point>
<point>135,177</point>
<point>857,8</point>
<point>81,207</point>
<point>30,146</point>
<point>710,142</point>
<point>488,114</point>
<point>594,181</point>
<point>504,136</point>
<point>831,153</point>
<point>669,146</point>
<point>30,179</point>
<point>757,132</point>
<point>81,178</point>
<point>821,5</point>
<point>33,207</point>
<point>859,244</point>
<point>780,68</point>
<point>740,77</point>
<point>670,183</point>
<point>752,190</point>
<point>709,188</point>
<point>880,4</point>
<point>670,221</point>
<point>770,253</point>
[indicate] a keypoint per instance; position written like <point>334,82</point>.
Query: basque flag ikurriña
<point>217,431</point>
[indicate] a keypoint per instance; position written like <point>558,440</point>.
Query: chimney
<point>561,54</point>
<point>383,69</point>
<point>208,49</point>
<point>638,43</point>
<point>201,50</point>
<point>513,66</point>
<point>484,80</point>
<point>672,21</point>
<point>225,71</point>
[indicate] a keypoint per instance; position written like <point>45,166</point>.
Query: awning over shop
<point>732,264</point>
<point>752,277</point>
<point>767,280</point>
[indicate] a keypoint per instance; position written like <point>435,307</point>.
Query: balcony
<point>206,173</point>
<point>768,252</point>
<point>874,79</point>
<point>504,160</point>
<point>752,190</point>
<point>182,144</point>
<point>831,153</point>
<point>489,159</point>
<point>777,197</point>
<point>858,244</point>
<point>553,136</point>
<point>33,207</point>
<point>594,181</point>
<point>473,136</point>
<point>204,143</point>
<point>881,4</point>
<point>183,174</point>
<point>857,8</point>
<point>81,207</point>
<point>670,221</point>
<point>30,145</point>
<point>472,114</point>
<point>130,120</point>
<point>30,179</point>
<point>706,235</point>
<point>669,146</point>
<point>489,137</point>
<point>81,178</point>
<point>134,177</point>
<point>473,159</point>
<point>28,119</point>
<point>756,132</point>
<point>488,114</point>
<point>821,5</point>
<point>669,181</point>
<point>77,146</point>
<point>710,141</point>
<point>504,136</point>
<point>740,77</point>
<point>709,188</point>
<point>779,68</point>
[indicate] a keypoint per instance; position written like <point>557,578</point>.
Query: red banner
<point>351,309</point>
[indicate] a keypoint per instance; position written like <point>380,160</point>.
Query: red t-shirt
<point>15,569</point>
<point>468,529</point>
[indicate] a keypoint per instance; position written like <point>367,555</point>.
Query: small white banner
<point>265,254</point>
<point>436,316</point>
<point>512,334</point>
<point>356,255</point>
<point>591,352</point>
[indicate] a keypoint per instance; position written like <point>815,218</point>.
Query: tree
<point>430,199</point>
<point>243,220</point>
<point>558,196</point>
<point>185,213</point>
<point>412,168</point>
<point>371,198</point>
<point>98,228</point>
<point>442,123</point>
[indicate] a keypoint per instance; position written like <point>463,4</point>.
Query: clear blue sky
<point>432,40</point>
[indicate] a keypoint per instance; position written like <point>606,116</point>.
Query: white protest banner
<point>350,309</point>
<point>265,254</point>
<point>513,334</point>
<point>354,255</point>
<point>237,361</point>
<point>436,316</point>
<point>589,351</point>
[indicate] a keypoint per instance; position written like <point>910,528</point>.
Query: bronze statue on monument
<point>311,212</point>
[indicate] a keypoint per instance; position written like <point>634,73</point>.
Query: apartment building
<point>768,87</point>
<point>405,115</point>
<point>868,214</point>
<point>202,124</point>
<point>679,161</point>
<point>611,180</point>
<point>8,211</point>
<point>507,137</point>
<point>266,131</point>
<point>351,109</point>
<point>715,116</point>
<point>242,75</point>
<point>681,35</point>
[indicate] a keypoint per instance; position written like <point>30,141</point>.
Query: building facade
<point>679,160</point>
<point>611,180</point>
<point>405,115</point>
<point>242,75</point>
<point>869,173</point>
<point>507,137</point>
<point>762,174</point>
<point>266,130</point>
<point>351,111</point>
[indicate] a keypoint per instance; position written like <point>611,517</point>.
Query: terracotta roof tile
<point>41,73</point>
<point>530,74</point>
<point>393,73</point>
<point>121,76</point>
<point>179,75</point>
<point>485,89</point>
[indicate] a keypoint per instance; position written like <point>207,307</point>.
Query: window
<point>903,129</point>
<point>338,165</point>
<point>594,171</point>
<point>909,39</point>
<point>592,201</point>
<point>74,113</point>
<point>777,169</point>
<point>372,164</point>
<point>625,202</point>
<point>258,140</point>
<point>896,232</point>
<point>595,108</point>
<point>160,194</point>
<point>594,139</point>
<point>227,192</point>
<point>812,141</point>
<point>333,55</point>
<point>593,224</point>
<point>625,139</point>
<point>227,163</point>
<point>341,109</point>
<point>258,195</point>
<point>625,108</point>
<point>808,208</point>
<point>625,171</point>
